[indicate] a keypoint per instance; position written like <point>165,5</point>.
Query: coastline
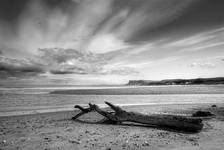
<point>146,90</point>
<point>56,130</point>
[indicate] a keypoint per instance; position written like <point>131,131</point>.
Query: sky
<point>95,42</point>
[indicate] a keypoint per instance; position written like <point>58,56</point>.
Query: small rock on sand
<point>47,139</point>
<point>69,129</point>
<point>74,141</point>
<point>145,143</point>
<point>4,141</point>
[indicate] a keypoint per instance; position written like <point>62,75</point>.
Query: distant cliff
<point>218,80</point>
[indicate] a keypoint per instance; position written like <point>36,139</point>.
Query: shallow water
<point>16,101</point>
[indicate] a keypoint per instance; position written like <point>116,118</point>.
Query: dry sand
<point>54,131</point>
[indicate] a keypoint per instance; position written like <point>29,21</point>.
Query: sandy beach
<point>54,131</point>
<point>161,61</point>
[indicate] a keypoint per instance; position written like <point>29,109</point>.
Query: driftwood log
<point>182,123</point>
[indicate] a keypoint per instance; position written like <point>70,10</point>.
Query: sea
<point>32,100</point>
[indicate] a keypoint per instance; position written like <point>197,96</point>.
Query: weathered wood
<point>159,120</point>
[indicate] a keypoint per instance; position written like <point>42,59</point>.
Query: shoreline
<point>57,110</point>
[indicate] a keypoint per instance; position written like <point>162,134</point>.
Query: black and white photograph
<point>111,74</point>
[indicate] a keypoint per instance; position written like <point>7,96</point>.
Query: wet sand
<point>55,131</point>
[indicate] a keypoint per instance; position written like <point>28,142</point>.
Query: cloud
<point>67,72</point>
<point>96,25</point>
<point>203,65</point>
<point>147,15</point>
<point>18,68</point>
<point>71,61</point>
<point>59,61</point>
<point>197,39</point>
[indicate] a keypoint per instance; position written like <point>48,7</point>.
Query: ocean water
<point>17,101</point>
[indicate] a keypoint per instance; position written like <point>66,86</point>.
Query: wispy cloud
<point>199,38</point>
<point>143,17</point>
<point>202,41</point>
<point>204,47</point>
<point>203,65</point>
